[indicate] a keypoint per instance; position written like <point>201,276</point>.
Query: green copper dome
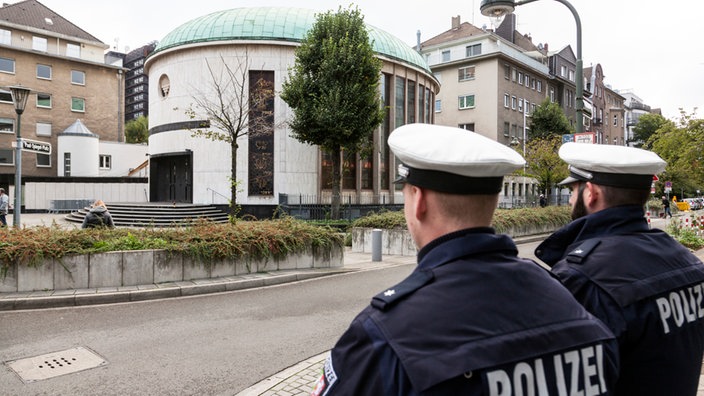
<point>278,24</point>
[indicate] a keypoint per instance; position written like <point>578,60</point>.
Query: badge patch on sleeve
<point>327,380</point>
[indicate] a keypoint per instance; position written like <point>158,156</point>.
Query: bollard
<point>376,244</point>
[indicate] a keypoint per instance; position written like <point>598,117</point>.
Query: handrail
<point>212,199</point>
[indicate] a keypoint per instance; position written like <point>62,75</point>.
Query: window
<point>39,44</point>
<point>520,78</point>
<point>43,129</point>
<point>552,94</point>
<point>5,37</point>
<point>421,103</point>
<point>466,102</point>
<point>615,120</point>
<point>466,73</point>
<point>563,71</point>
<point>67,164</point>
<point>527,80</point>
<point>44,100</point>
<point>164,85</point>
<point>7,65</point>
<point>446,56</point>
<point>507,101</point>
<point>474,50</point>
<point>5,96</point>
<point>43,160</point>
<point>78,104</point>
<point>438,105</point>
<point>73,50</point>
<point>105,161</point>
<point>532,83</point>
<point>507,72</point>
<point>514,75</point>
<point>7,157</point>
<point>540,86</point>
<point>571,75</point>
<point>7,125</point>
<point>513,102</point>
<point>78,77</point>
<point>411,103</point>
<point>400,105</point>
<point>44,72</point>
<point>507,128</point>
<point>520,105</point>
<point>467,127</point>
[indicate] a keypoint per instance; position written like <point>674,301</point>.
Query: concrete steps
<point>155,214</point>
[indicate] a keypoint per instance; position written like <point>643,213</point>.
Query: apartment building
<point>137,82</point>
<point>64,67</point>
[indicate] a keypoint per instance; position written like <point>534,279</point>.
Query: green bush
<point>504,219</point>
<point>203,240</point>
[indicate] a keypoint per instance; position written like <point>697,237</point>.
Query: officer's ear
<point>593,197</point>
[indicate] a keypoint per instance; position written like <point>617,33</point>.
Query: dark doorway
<point>171,178</point>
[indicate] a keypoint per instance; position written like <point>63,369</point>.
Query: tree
<point>646,127</point>
<point>237,102</point>
<point>543,162</point>
<point>333,90</point>
<point>682,147</point>
<point>137,131</point>
<point>547,120</point>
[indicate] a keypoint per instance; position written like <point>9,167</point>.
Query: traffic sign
<point>655,178</point>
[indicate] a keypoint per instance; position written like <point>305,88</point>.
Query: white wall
<point>84,155</point>
<point>37,195</point>
<point>124,157</point>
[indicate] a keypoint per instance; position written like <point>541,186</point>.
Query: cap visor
<point>568,180</point>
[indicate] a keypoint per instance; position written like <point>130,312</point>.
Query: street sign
<point>35,146</point>
<point>655,178</point>
<point>586,137</point>
<point>567,138</point>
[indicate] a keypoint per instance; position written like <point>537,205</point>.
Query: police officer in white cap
<point>472,318</point>
<point>643,284</point>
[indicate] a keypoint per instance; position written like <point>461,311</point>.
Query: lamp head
<point>19,97</point>
<point>497,9</point>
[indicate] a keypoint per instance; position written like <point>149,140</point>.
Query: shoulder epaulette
<point>578,255</point>
<point>415,281</point>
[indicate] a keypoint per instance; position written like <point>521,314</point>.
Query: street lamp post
<point>19,98</point>
<point>499,8</point>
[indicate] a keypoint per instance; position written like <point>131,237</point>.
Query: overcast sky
<point>641,45</point>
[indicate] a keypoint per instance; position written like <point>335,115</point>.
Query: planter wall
<point>399,241</point>
<point>143,267</point>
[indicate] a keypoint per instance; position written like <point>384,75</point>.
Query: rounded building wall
<point>180,73</point>
<point>83,154</point>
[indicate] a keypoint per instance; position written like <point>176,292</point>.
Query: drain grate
<point>55,364</point>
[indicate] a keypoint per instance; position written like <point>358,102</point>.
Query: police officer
<point>472,318</point>
<point>644,285</point>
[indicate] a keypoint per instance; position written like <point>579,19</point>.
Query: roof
<point>464,30</point>
<point>34,14</point>
<point>278,24</point>
<point>78,128</point>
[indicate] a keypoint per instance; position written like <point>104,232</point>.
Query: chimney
<point>456,22</point>
<point>418,40</point>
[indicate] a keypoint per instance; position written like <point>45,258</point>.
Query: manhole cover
<point>55,364</point>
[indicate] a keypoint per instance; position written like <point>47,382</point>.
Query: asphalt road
<point>209,344</point>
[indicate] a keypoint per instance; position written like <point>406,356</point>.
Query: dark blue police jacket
<point>645,286</point>
<point>473,319</point>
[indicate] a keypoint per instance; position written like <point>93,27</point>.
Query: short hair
<point>461,206</point>
<point>617,196</point>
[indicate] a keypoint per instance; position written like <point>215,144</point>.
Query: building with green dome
<point>185,168</point>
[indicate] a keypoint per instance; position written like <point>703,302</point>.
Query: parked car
<point>694,203</point>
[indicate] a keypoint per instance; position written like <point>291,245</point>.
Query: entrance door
<point>171,178</point>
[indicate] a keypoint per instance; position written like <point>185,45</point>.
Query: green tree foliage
<point>682,146</point>
<point>646,126</point>
<point>547,120</point>
<point>543,163</point>
<point>137,131</point>
<point>333,90</point>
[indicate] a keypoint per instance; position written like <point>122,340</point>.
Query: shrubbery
<point>202,240</point>
<point>504,219</point>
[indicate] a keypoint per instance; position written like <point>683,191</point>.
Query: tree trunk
<point>336,183</point>
<point>234,208</point>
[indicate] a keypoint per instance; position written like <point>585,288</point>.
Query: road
<point>211,344</point>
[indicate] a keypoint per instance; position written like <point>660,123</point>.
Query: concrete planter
<point>144,267</point>
<point>399,241</point>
